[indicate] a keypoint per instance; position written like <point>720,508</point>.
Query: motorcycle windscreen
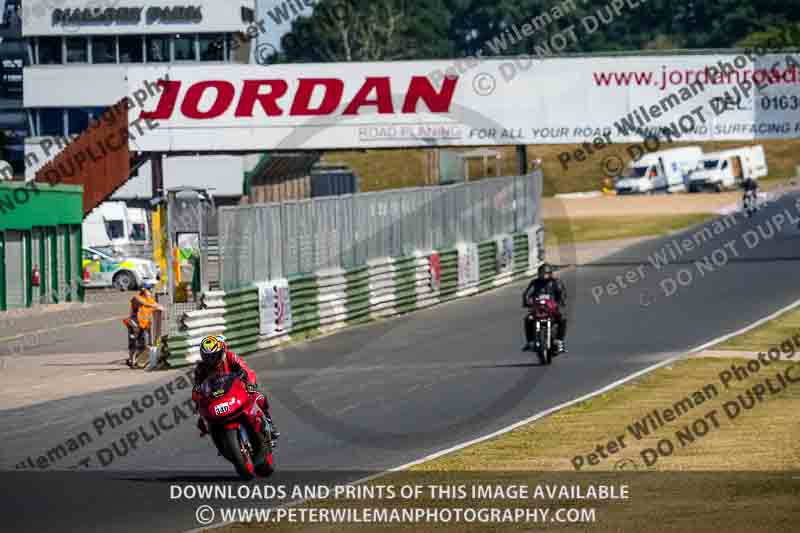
<point>217,386</point>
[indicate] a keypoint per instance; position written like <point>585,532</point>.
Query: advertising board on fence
<point>535,245</point>
<point>468,266</point>
<point>435,267</point>
<point>274,307</point>
<point>504,245</point>
<point>430,103</point>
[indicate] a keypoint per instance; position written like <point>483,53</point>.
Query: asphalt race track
<point>381,395</point>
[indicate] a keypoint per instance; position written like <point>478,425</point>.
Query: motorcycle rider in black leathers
<point>546,283</point>
<point>749,184</point>
<point>750,187</point>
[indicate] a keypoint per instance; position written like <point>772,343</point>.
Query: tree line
<point>379,30</point>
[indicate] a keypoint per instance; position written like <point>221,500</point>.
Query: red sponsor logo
<point>269,97</point>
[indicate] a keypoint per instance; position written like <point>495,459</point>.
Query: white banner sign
<point>498,101</point>
<point>504,245</point>
<point>274,307</point>
<point>435,269</point>
<point>468,264</point>
<point>535,245</point>
<point>133,17</point>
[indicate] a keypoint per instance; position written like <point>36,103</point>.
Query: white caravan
<point>727,169</point>
<point>115,224</point>
<point>666,170</point>
<point>139,227</point>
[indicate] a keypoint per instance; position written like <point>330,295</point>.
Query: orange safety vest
<point>139,313</point>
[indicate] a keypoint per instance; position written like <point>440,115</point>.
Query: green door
<point>44,266</point>
<point>16,289</point>
<point>62,265</point>
<point>2,270</point>
<point>27,267</point>
<point>76,259</point>
<point>36,243</point>
<point>52,250</point>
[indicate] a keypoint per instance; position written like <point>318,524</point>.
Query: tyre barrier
<point>333,299</point>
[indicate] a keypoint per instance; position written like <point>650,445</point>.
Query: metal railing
<point>269,241</point>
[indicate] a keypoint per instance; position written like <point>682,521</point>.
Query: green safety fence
<point>328,300</point>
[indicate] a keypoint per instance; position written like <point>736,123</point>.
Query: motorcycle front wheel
<point>542,348</point>
<point>262,454</point>
<point>237,454</point>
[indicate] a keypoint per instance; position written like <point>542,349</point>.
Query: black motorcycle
<point>542,311</point>
<point>749,202</point>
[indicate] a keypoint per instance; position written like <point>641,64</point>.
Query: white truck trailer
<point>665,170</point>
<point>726,169</point>
<point>117,225</point>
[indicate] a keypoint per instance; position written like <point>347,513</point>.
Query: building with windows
<point>78,55</point>
<point>13,122</point>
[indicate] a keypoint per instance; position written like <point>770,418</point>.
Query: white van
<point>666,170</point>
<point>726,169</point>
<point>139,227</point>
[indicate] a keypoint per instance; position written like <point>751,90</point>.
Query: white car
<point>104,267</point>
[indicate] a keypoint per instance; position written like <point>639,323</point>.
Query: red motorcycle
<point>542,311</point>
<point>236,424</point>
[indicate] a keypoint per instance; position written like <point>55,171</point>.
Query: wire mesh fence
<point>268,241</point>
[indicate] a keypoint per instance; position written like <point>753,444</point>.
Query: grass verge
<point>414,167</point>
<point>762,438</point>
<point>567,230</point>
<point>773,333</point>
<point>729,458</point>
<point>731,468</point>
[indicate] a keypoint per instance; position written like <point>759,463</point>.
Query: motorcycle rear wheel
<point>236,454</point>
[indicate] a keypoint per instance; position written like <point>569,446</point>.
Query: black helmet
<point>545,268</point>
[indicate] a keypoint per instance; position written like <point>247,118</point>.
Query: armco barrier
<point>381,287</point>
<point>487,254</point>
<point>332,299</point>
<point>449,262</point>
<point>304,296</point>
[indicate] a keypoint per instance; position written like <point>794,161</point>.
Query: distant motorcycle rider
<point>750,184</point>
<point>750,187</point>
<point>216,359</point>
<point>546,283</point>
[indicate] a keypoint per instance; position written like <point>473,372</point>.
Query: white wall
<point>223,174</point>
<point>37,155</point>
<point>217,16</point>
<point>73,85</point>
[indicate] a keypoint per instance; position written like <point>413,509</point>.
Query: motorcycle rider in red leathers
<point>215,358</point>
